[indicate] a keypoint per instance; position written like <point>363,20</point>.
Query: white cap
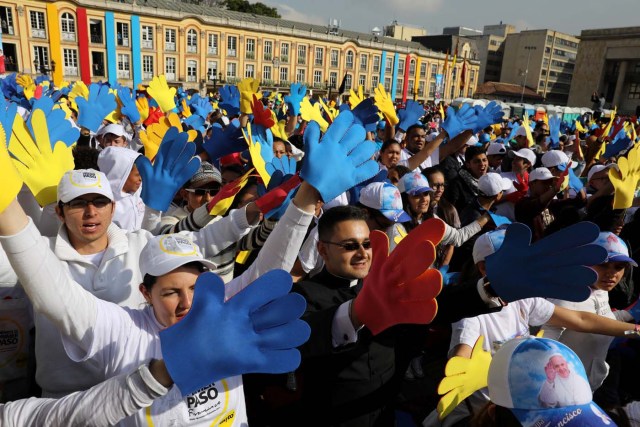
<point>492,183</point>
<point>487,244</point>
<point>385,198</point>
<point>76,183</point>
<point>554,158</point>
<point>597,168</point>
<point>527,154</point>
<point>115,129</point>
<point>163,254</point>
<point>521,131</point>
<point>540,174</point>
<point>496,149</point>
<point>472,141</point>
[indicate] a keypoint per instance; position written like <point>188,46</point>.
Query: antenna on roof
<point>377,32</point>
<point>334,26</point>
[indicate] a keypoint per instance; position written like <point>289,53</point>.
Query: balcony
<point>318,63</point>
<point>123,42</point>
<point>284,58</point>
<point>267,56</point>
<point>8,30</point>
<point>170,46</point>
<point>124,74</point>
<point>192,49</point>
<point>70,71</point>
<point>38,33</point>
<point>231,53</point>
<point>334,64</point>
<point>349,65</point>
<point>212,50</point>
<point>147,44</point>
<point>171,77</point>
<point>147,76</point>
<point>302,61</point>
<point>96,38</point>
<point>192,79</point>
<point>250,55</point>
<point>268,82</point>
<point>68,37</point>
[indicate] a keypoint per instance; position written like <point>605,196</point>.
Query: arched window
<point>192,41</point>
<point>68,26</point>
<point>412,67</point>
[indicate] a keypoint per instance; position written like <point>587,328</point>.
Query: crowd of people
<point>249,257</point>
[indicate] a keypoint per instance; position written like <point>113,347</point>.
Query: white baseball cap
<point>163,254</point>
<point>487,244</point>
<point>540,174</point>
<point>526,154</point>
<point>473,140</point>
<point>492,183</point>
<point>554,158</point>
<point>384,197</point>
<point>521,131</point>
<point>76,183</point>
<point>496,149</point>
<point>597,168</point>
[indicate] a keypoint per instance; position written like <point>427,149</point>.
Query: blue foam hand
<point>173,166</point>
<point>297,93</point>
<point>224,141</point>
<point>60,129</point>
<point>344,107</point>
<point>128,101</point>
<point>448,278</point>
<point>514,130</point>
<point>202,107</point>
<point>554,267</point>
<point>366,113</point>
<point>487,116</point>
<point>195,122</point>
<point>499,220</point>
<point>354,192</point>
<point>554,129</point>
<point>277,178</point>
<point>286,165</point>
<point>8,112</point>
<point>345,148</point>
<point>574,182</point>
<point>92,111</point>
<point>9,86</point>
<point>620,142</point>
<point>410,114</point>
<point>564,127</point>
<point>457,122</point>
<point>255,331</point>
<point>230,100</point>
<point>634,310</point>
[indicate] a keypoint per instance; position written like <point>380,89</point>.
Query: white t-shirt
<point>432,160</point>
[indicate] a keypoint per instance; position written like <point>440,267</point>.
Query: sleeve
<point>548,396</point>
<point>308,255</point>
<point>540,311</point>
<point>342,330</point>
<point>257,236</point>
<point>102,405</point>
<point>465,331</point>
<point>623,316</point>
<point>158,224</point>
<point>456,237</point>
<point>555,332</point>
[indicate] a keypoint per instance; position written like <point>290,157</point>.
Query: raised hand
<point>410,114</point>
<point>230,100</point>
<point>164,95</point>
<point>385,104</point>
<point>487,116</point>
<point>297,93</point>
<point>248,88</point>
<point>129,107</point>
<point>460,121</point>
<point>625,178</point>
<point>92,111</point>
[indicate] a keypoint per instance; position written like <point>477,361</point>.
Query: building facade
<point>491,50</point>
<point>608,63</point>
<point>543,60</point>
<point>198,47</point>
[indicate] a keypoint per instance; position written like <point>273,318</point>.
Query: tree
<point>246,7</point>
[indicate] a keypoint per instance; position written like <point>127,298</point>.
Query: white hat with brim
<point>163,254</point>
<point>77,183</point>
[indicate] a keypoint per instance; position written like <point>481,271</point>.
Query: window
<point>362,80</point>
<point>70,58</point>
<point>335,57</point>
<point>192,41</point>
<point>432,90</point>
<point>38,28</point>
<point>412,67</point>
<point>423,70</point>
<point>387,84</point>
<point>212,45</point>
<point>97,59</point>
<point>374,81</point>
<point>319,56</point>
<point>333,79</point>
<point>284,52</point>
<point>388,67</point>
<point>212,69</point>
<point>147,37</point>
<point>284,75</point>
<point>364,61</point>
<point>249,71</point>
<point>434,70</point>
<point>473,76</point>
<point>348,79</point>
<point>170,68</point>
<point>68,27</point>
<point>250,49</point>
<point>267,51</point>
<point>122,31</point>
<point>192,70</point>
<point>232,45</point>
<point>232,70</point>
<point>147,67</point>
<point>302,54</point>
<point>266,74</point>
<point>41,58</point>
<point>95,31</point>
<point>401,66</point>
<point>170,39</point>
<point>634,91</point>
<point>317,78</point>
<point>421,89</point>
<point>349,59</point>
<point>376,64</point>
<point>124,68</point>
<point>6,17</point>
<point>301,75</point>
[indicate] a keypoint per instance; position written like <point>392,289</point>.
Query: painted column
<point>83,45</point>
<point>383,65</point>
<point>394,79</point>
<point>405,85</point>
<point>110,36</point>
<point>136,51</point>
<point>54,43</point>
<point>416,81</point>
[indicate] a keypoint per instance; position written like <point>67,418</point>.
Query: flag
<point>455,54</point>
<point>343,84</point>
<point>463,74</point>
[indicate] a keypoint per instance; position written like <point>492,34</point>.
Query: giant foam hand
<point>129,107</point>
<point>11,179</point>
<point>410,114</point>
<point>276,197</point>
<point>385,105</point>
<point>93,110</point>
<point>459,121</point>
<point>554,267</point>
<point>248,88</point>
<point>487,116</point>
<point>152,136</point>
<point>554,130</point>
<point>230,100</point>
<point>400,287</point>
<point>255,331</point>
<point>60,129</point>
<point>164,95</point>
<point>222,201</point>
<point>225,141</point>
<point>312,113</point>
<point>355,97</point>
<point>345,148</point>
<point>297,93</point>
<point>260,141</point>
<point>625,178</point>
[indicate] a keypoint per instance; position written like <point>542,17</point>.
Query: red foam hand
<point>400,287</point>
<point>278,195</point>
<point>521,185</point>
<point>261,115</point>
<point>617,127</point>
<point>155,114</point>
<point>222,201</point>
<point>38,92</point>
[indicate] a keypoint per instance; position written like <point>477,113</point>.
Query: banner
<point>439,88</point>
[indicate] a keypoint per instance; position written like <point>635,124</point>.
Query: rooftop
<point>506,89</point>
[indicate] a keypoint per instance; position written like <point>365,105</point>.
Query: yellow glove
<point>24,80</point>
<point>625,178</point>
<point>11,179</point>
<point>463,378</point>
<point>385,105</point>
<point>312,113</point>
<point>40,166</point>
<point>153,135</point>
<point>355,98</point>
<point>607,128</point>
<point>441,108</point>
<point>62,105</point>
<point>164,95</point>
<point>331,112</point>
<point>142,104</point>
<point>402,233</point>
<point>579,127</point>
<point>247,88</point>
<point>527,130</point>
<point>186,111</point>
<point>255,151</point>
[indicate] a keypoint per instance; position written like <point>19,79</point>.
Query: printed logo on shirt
<point>227,419</point>
<point>11,340</point>
<point>208,401</point>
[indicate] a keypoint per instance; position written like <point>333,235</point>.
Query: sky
<point>569,16</point>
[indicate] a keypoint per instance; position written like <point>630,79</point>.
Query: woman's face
<point>171,295</point>
<point>391,155</point>
<point>419,204</point>
<point>609,275</point>
<point>436,181</point>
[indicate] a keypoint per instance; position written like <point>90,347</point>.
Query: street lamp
<point>276,66</point>
<point>214,78</point>
<point>526,71</point>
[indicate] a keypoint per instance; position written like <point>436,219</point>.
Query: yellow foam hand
<point>40,165</point>
<point>385,105</point>
<point>279,128</point>
<point>247,88</point>
<point>78,89</point>
<point>164,95</point>
<point>355,98</point>
<point>579,127</point>
<point>152,136</point>
<point>11,179</point>
<point>402,233</point>
<point>24,80</point>
<point>221,202</point>
<point>142,104</point>
<point>186,110</point>
<point>625,178</point>
<point>62,105</point>
<point>612,117</point>
<point>441,109</point>
<point>463,378</point>
<point>255,151</point>
<point>331,112</point>
<point>312,113</point>
<point>527,130</point>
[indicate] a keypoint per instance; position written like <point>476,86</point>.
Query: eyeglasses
<point>203,191</point>
<point>350,246</point>
<point>81,204</point>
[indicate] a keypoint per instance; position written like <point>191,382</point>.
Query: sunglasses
<point>98,203</point>
<point>351,246</point>
<point>203,191</point>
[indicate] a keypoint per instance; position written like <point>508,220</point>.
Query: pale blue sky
<point>570,16</point>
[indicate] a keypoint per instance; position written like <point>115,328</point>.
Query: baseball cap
<point>555,158</point>
<point>527,154</point>
<point>597,168</point>
<point>540,174</point>
<point>163,254</point>
<point>384,197</point>
<point>518,381</point>
<point>413,183</point>
<point>206,174</point>
<point>485,138</point>
<point>487,244</point>
<point>616,247</point>
<point>76,183</point>
<point>521,131</point>
<point>496,149</point>
<point>492,183</point>
<point>115,129</point>
<point>473,140</point>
